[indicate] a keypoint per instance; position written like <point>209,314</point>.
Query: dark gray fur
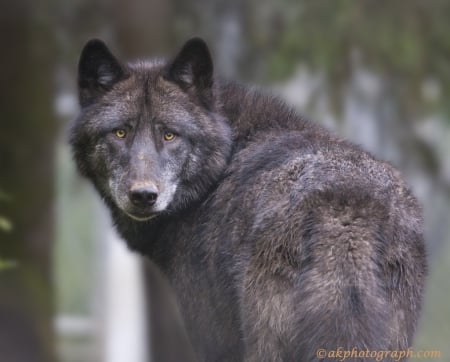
<point>280,237</point>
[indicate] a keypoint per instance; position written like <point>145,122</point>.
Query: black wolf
<point>278,237</point>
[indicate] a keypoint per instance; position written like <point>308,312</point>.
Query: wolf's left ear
<point>192,68</point>
<point>98,71</point>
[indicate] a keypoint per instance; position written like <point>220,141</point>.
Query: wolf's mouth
<point>141,215</point>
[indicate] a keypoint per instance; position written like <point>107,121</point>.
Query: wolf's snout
<point>143,196</point>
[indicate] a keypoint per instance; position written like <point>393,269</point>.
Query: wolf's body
<point>278,238</point>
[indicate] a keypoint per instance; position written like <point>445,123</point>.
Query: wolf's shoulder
<point>291,167</point>
<point>287,154</point>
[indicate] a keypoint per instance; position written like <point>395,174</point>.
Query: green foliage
<point>5,226</point>
<point>5,223</point>
<point>7,264</point>
<point>4,196</point>
<point>404,41</point>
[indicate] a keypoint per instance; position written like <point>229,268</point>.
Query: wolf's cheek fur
<point>117,190</point>
<point>103,161</point>
<point>205,162</point>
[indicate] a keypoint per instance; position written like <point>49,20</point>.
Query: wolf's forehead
<point>146,93</point>
<point>131,95</point>
<point>145,83</point>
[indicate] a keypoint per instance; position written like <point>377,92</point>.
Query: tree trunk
<point>26,183</point>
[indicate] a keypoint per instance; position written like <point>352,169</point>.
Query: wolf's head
<point>148,135</point>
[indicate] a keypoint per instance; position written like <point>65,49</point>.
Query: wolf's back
<point>336,256</point>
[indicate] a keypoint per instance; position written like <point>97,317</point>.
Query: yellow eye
<point>169,136</point>
<point>121,133</point>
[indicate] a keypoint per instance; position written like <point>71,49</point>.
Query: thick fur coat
<point>277,237</point>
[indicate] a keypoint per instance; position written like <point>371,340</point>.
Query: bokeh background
<point>374,71</point>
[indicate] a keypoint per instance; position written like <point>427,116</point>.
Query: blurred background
<point>374,71</point>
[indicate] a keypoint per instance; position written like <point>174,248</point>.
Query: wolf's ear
<point>98,71</point>
<point>192,68</point>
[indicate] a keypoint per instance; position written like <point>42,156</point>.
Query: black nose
<point>143,196</point>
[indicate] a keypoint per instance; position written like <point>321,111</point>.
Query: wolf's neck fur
<point>250,111</point>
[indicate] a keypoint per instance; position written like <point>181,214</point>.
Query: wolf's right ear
<point>98,71</point>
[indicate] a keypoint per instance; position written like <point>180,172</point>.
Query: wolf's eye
<point>169,136</point>
<point>121,133</point>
